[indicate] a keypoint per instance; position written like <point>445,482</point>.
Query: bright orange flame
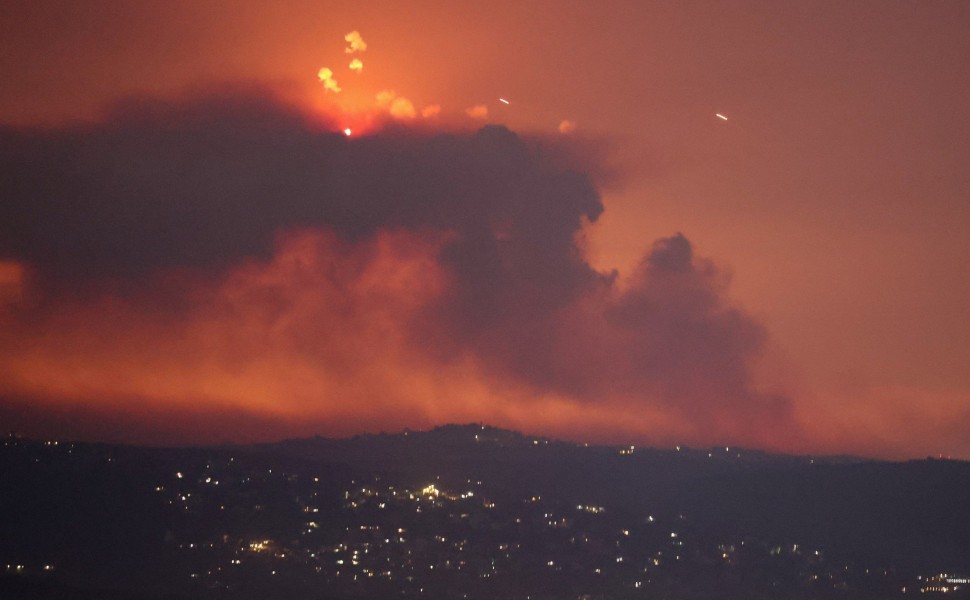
<point>356,65</point>
<point>566,126</point>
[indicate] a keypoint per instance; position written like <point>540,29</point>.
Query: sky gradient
<point>191,250</point>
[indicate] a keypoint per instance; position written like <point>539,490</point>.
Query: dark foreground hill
<point>473,512</point>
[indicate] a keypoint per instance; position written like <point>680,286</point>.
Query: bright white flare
<point>720,116</point>
<point>504,101</point>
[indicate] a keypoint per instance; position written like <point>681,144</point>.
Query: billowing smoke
<point>227,240</point>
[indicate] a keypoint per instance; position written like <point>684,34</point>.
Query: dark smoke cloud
<point>207,183</point>
<point>171,185</point>
<point>681,333</point>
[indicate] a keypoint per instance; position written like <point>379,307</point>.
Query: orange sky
<point>835,196</point>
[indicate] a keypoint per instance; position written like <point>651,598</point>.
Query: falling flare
<point>720,116</point>
<point>325,76</point>
<point>479,111</point>
<point>504,101</point>
<point>356,43</point>
<point>347,132</point>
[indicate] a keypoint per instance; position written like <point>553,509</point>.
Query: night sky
<point>702,223</point>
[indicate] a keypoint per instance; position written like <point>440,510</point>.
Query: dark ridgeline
<point>476,512</point>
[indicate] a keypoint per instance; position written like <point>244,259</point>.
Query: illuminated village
<point>235,524</point>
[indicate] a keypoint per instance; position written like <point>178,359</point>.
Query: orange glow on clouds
<point>911,337</point>
<point>398,107</point>
<point>325,76</point>
<point>273,339</point>
<point>315,339</point>
<point>432,110</point>
<point>270,338</point>
<point>12,282</point>
<point>479,111</point>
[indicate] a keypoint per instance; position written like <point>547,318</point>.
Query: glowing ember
<point>347,132</point>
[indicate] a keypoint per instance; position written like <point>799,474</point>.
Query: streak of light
<point>720,116</point>
<point>504,101</point>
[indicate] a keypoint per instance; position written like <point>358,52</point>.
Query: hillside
<point>467,510</point>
